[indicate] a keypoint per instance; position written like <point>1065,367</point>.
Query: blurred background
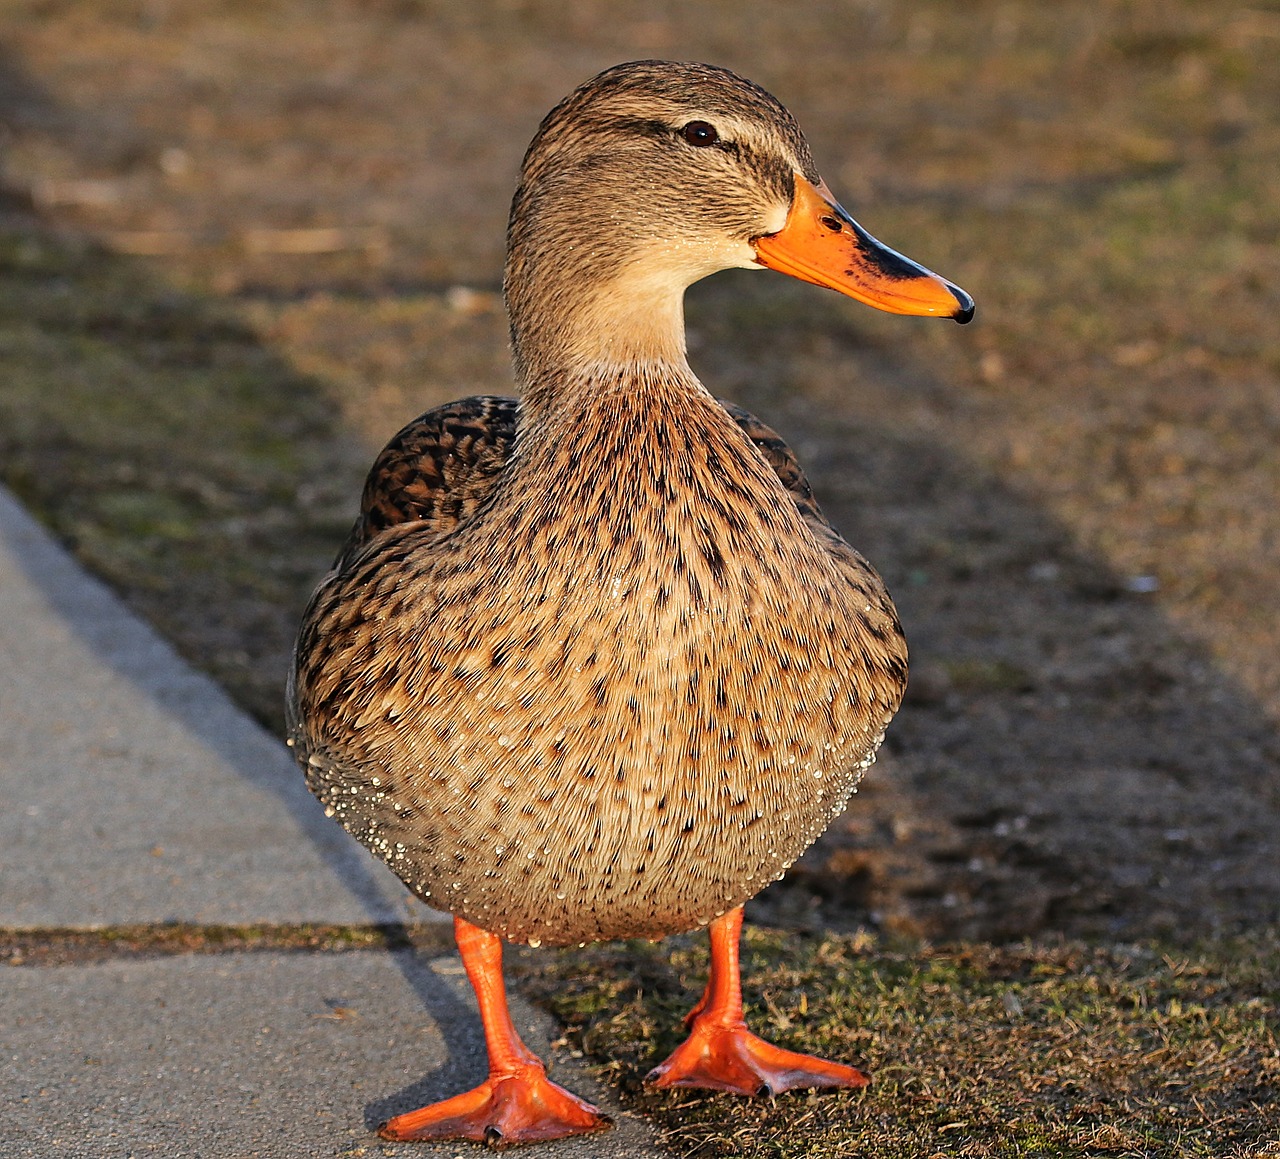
<point>242,243</point>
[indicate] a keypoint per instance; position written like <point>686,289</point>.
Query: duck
<point>592,664</point>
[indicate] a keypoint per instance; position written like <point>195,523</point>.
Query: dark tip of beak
<point>964,315</point>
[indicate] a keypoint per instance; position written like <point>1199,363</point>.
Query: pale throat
<point>633,318</point>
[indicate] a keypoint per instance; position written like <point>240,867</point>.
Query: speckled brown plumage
<point>592,664</point>
<point>436,470</point>
<point>440,467</point>
<point>626,746</point>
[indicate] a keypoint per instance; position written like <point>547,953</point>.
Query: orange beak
<point>821,243</point>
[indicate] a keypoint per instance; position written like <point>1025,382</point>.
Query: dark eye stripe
<point>700,134</point>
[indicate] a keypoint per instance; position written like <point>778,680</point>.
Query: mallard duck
<point>592,664</point>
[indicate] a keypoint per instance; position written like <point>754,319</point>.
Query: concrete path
<point>133,792</point>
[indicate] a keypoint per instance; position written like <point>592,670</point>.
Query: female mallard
<point>592,664</point>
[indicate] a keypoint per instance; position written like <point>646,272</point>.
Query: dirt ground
<point>240,244</point>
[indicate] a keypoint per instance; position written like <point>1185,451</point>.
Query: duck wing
<point>437,470</point>
<point>785,465</point>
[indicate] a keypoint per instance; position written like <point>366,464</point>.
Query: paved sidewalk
<point>133,789</point>
<point>133,792</point>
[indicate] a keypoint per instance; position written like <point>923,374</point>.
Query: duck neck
<point>579,314</point>
<point>568,334</point>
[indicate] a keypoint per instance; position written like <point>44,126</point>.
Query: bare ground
<point>241,244</point>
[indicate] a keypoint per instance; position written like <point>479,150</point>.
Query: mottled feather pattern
<point>441,466</point>
<point>625,748</point>
<point>437,469</point>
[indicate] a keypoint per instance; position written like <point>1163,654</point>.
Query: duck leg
<point>722,1054</point>
<point>517,1103</point>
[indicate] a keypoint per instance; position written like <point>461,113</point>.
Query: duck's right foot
<point>503,1111</point>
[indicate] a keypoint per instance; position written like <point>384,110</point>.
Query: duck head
<point>655,174</point>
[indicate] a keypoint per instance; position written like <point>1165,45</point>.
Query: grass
<point>1033,1050</point>
<point>62,947</point>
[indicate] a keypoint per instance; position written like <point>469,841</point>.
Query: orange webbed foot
<point>721,1054</point>
<point>505,1110</point>
<point>517,1103</point>
<point>728,1057</point>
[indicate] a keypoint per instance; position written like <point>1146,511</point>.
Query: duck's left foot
<point>507,1109</point>
<point>726,1056</point>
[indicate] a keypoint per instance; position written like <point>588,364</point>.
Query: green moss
<point>975,675</point>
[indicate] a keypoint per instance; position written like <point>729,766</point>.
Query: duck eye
<point>700,134</point>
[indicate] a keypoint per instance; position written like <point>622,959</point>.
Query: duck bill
<point>821,243</point>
